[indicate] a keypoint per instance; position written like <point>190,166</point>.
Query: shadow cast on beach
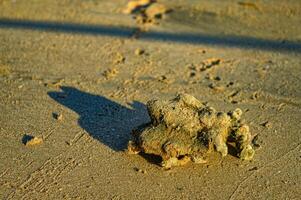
<point>245,42</point>
<point>105,120</point>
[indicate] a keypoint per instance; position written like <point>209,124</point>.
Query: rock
<point>134,5</point>
<point>146,11</point>
<point>58,116</point>
<point>183,129</point>
<point>29,140</point>
<point>140,170</point>
<point>208,64</point>
<point>139,52</point>
<point>216,87</point>
<point>266,124</point>
<point>156,10</point>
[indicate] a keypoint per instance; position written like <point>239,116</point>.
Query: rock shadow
<point>105,120</point>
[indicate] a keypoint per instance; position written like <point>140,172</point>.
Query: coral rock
<point>183,129</point>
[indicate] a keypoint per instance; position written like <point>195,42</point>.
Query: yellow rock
<point>34,141</point>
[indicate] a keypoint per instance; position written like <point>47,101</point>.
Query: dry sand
<point>79,59</point>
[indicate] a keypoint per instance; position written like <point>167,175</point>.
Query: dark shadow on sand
<point>245,42</point>
<point>109,122</point>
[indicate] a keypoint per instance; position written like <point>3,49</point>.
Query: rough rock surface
<point>183,129</point>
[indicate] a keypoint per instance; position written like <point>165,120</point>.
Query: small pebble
<point>217,87</point>
<point>253,169</point>
<point>255,95</point>
<point>192,74</point>
<point>217,78</point>
<point>29,140</point>
<point>139,52</point>
<point>58,116</point>
<point>139,170</point>
<point>255,142</point>
<point>267,124</point>
<point>230,84</point>
<point>234,102</point>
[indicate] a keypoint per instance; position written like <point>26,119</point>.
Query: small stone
<point>203,51</point>
<point>58,116</point>
<point>192,74</point>
<point>217,78</point>
<point>134,5</point>
<point>146,11</point>
<point>29,140</point>
<point>139,52</point>
<point>230,84</point>
<point>266,124</point>
<point>253,169</point>
<point>164,79</point>
<point>156,10</point>
<point>234,102</point>
<point>211,62</point>
<point>217,88</point>
<point>139,170</point>
<point>255,142</point>
<point>255,95</point>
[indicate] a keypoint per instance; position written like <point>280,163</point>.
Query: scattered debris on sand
<point>119,58</point>
<point>249,5</point>
<point>183,129</point>
<point>134,5</point>
<point>209,63</point>
<point>146,11</point>
<point>165,79</point>
<point>217,88</point>
<point>110,73</point>
<point>156,10</point>
<point>29,140</point>
<point>55,84</point>
<point>206,65</point>
<point>140,170</point>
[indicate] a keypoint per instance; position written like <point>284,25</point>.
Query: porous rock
<point>184,129</point>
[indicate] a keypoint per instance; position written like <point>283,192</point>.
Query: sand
<point>77,58</point>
